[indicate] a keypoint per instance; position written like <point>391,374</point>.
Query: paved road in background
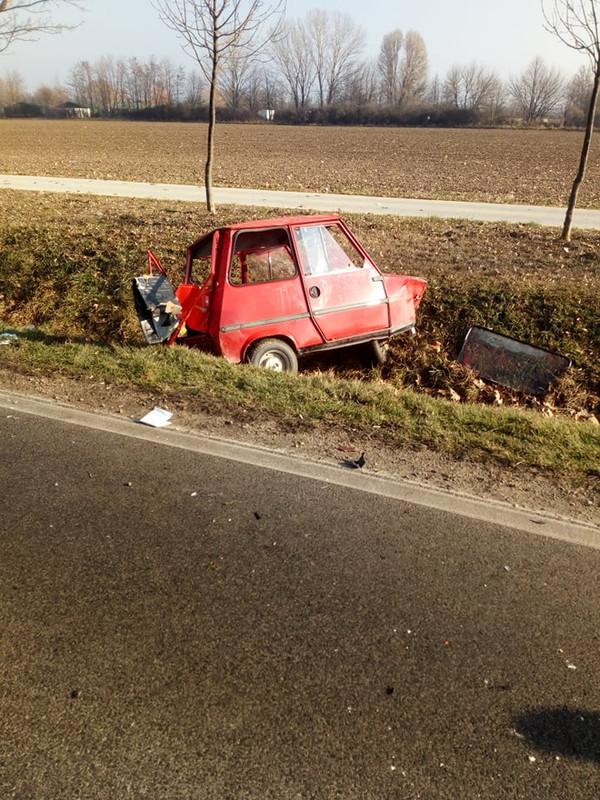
<point>308,201</point>
<point>174,625</point>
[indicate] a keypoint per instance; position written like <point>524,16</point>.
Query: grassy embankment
<point>66,266</point>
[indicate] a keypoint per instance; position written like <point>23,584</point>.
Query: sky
<point>502,34</point>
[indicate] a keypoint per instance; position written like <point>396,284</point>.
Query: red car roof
<point>280,222</point>
<point>272,222</point>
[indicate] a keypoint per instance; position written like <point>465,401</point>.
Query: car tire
<point>378,351</point>
<point>273,354</point>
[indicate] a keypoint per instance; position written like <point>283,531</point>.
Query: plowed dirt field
<point>509,166</point>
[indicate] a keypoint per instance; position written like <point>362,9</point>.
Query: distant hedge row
<point>334,115</point>
<point>438,116</point>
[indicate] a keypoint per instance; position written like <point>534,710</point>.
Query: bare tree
<point>135,82</point>
<point>82,84</point>
<point>195,89</point>
<point>165,85</point>
<point>106,84</point>
<point>317,40</point>
<point>347,44</point>
<point>212,30</point>
<point>577,96</point>
<point>578,93</point>
<point>452,91</point>
<point>179,83</point>
<point>50,96</point>
<point>110,85</point>
<point>363,88</point>
<point>23,20</point>
<point>252,88</point>
<point>388,64</point>
<point>434,91</point>
<point>291,53</point>
<point>413,69</point>
<point>537,91</point>
<point>149,78</point>
<point>577,24</point>
<point>467,87</point>
<point>270,88</point>
<point>494,102</point>
<point>12,89</point>
<point>235,76</point>
<point>121,87</point>
<point>262,89</point>
<point>336,44</point>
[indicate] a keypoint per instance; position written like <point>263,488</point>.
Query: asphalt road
<point>308,201</point>
<point>179,626</point>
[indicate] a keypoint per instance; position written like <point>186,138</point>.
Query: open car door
<point>346,292</point>
<point>157,306</point>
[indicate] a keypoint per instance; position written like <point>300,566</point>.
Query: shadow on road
<point>562,731</point>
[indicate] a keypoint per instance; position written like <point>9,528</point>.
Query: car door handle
<point>377,278</point>
<point>314,291</point>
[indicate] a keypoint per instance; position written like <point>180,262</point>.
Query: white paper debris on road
<point>157,418</point>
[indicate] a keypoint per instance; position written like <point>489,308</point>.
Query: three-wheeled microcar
<point>270,291</point>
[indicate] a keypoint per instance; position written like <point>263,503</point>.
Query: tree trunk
<point>210,147</point>
<point>585,150</point>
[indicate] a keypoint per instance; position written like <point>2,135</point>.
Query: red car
<point>270,291</point>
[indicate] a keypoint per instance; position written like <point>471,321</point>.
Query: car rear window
<point>261,256</point>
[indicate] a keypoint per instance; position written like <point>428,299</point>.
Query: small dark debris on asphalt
<point>75,694</point>
<point>257,515</point>
<point>389,690</point>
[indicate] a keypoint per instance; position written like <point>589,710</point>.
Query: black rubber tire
<point>378,351</point>
<point>273,354</point>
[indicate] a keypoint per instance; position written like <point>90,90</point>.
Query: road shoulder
<point>308,201</point>
<point>512,488</point>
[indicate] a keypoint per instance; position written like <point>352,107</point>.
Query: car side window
<point>327,248</point>
<point>261,256</point>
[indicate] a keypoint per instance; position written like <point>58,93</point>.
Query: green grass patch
<point>376,409</point>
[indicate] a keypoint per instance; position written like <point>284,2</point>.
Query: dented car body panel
<point>306,281</point>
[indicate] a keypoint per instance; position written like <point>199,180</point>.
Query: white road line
<point>493,512</point>
<point>307,201</point>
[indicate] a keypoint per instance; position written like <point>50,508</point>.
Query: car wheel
<point>273,354</point>
<point>378,351</point>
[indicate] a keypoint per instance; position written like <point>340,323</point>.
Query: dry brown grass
<point>513,166</point>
